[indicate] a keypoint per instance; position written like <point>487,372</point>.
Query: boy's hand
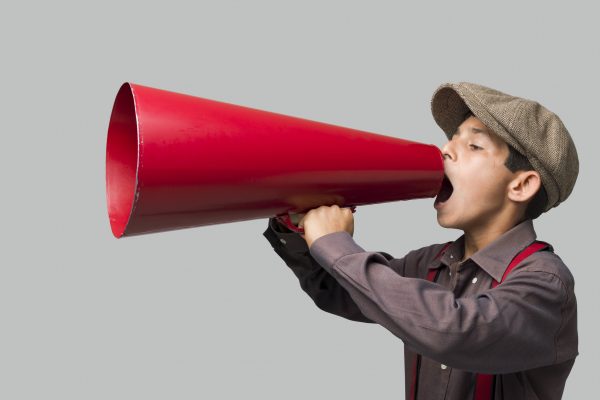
<point>326,219</point>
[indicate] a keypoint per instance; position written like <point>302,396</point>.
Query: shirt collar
<point>496,256</point>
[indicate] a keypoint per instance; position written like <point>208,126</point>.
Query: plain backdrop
<point>212,312</point>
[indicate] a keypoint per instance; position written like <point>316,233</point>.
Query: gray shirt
<point>524,331</point>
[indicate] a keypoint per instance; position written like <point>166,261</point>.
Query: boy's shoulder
<point>547,261</point>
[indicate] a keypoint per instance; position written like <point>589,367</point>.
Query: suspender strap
<point>529,250</point>
<point>484,383</point>
<point>484,387</point>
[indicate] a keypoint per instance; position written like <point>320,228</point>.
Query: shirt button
<point>451,255</point>
<point>282,241</point>
<point>474,280</point>
<point>450,273</point>
<point>443,366</point>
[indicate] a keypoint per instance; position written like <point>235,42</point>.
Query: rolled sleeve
<point>292,242</point>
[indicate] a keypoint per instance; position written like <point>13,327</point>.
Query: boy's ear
<point>524,186</point>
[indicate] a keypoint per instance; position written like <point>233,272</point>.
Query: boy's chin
<point>448,226</point>
<point>445,222</point>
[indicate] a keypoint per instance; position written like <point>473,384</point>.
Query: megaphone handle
<point>287,221</point>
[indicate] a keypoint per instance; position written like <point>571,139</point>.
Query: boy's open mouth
<point>445,191</point>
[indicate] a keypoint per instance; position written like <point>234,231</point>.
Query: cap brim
<point>448,108</point>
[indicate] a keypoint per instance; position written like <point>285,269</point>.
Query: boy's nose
<point>448,152</point>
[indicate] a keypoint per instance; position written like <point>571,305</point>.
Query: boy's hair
<point>518,162</point>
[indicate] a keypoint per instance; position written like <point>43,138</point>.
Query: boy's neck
<point>479,237</point>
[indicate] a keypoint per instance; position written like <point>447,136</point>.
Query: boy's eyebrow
<point>478,130</point>
<point>475,130</point>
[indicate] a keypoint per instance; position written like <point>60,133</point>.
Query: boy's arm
<point>506,329</point>
<point>324,290</point>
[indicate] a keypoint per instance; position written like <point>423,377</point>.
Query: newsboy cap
<point>526,125</point>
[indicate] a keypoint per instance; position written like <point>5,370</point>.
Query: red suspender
<point>484,383</point>
<point>529,250</point>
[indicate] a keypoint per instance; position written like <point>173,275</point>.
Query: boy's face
<point>474,164</point>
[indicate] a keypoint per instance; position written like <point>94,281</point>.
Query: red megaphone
<point>176,161</point>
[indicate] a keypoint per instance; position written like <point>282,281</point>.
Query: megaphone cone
<point>176,161</point>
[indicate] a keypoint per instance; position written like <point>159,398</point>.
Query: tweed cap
<point>526,125</point>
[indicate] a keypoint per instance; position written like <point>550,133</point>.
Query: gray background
<point>212,312</point>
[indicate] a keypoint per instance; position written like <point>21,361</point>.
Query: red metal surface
<point>176,161</point>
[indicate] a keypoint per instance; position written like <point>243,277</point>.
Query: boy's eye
<point>475,147</point>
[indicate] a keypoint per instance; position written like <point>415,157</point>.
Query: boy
<point>491,315</point>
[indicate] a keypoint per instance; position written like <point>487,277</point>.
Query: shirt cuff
<point>329,248</point>
<point>292,242</point>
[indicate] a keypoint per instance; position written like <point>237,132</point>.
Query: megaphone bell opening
<point>121,160</point>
